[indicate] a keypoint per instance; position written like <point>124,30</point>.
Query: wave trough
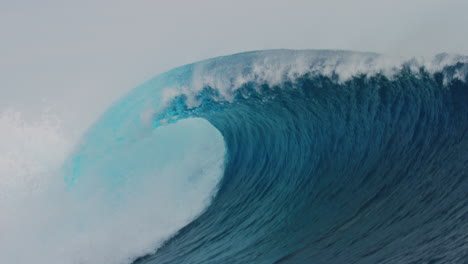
<point>307,157</point>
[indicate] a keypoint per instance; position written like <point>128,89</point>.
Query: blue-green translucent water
<point>371,168</point>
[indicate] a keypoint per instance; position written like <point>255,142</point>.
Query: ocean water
<point>275,156</point>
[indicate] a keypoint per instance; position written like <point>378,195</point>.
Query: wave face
<point>331,156</point>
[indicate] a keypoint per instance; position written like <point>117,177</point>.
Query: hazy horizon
<point>77,58</point>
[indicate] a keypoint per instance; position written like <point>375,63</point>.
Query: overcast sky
<point>79,56</point>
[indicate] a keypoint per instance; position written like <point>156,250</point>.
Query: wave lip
<point>274,67</point>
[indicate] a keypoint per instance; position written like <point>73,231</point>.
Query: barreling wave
<point>330,157</point>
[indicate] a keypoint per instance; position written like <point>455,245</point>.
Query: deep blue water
<point>369,169</point>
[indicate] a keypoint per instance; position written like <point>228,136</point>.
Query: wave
<point>291,157</point>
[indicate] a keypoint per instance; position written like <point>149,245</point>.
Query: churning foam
<point>42,221</point>
<point>274,67</point>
